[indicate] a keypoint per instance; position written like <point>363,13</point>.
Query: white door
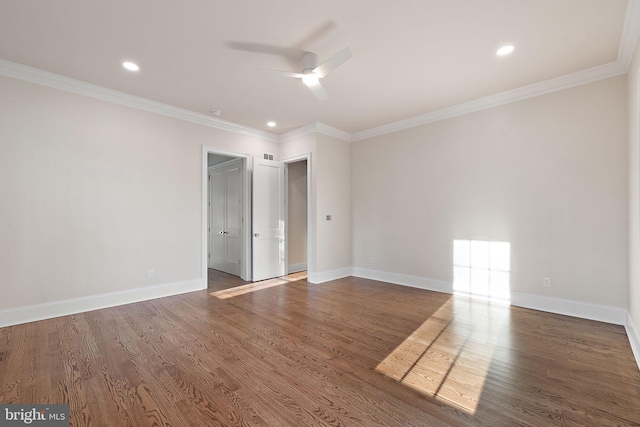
<point>268,219</point>
<point>233,218</point>
<point>225,219</point>
<point>216,219</point>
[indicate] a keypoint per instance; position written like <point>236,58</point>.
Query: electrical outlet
<point>546,282</point>
<point>152,274</point>
<point>328,217</point>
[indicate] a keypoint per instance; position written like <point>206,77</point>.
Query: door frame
<point>245,264</point>
<point>311,235</point>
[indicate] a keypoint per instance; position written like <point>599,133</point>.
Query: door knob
<point>257,234</point>
<point>221,232</point>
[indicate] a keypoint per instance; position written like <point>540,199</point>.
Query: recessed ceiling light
<point>271,124</point>
<point>505,50</point>
<point>130,66</point>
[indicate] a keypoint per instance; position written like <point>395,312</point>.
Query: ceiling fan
<point>312,72</point>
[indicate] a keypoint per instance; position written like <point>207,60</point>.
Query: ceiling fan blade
<point>332,63</point>
<point>318,91</point>
<point>316,35</point>
<point>290,53</point>
<point>281,73</point>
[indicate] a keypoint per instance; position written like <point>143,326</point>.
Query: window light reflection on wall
<point>482,268</point>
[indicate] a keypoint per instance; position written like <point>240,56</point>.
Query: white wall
<point>307,145</point>
<point>329,254</point>
<point>633,323</point>
<point>96,194</point>
<point>548,175</point>
<point>334,198</point>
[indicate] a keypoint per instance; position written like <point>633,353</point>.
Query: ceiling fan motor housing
<point>309,61</point>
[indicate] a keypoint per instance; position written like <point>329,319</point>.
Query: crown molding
<point>309,129</point>
<point>590,75</point>
<point>313,128</point>
<point>57,81</point>
<point>630,34</point>
<point>333,132</point>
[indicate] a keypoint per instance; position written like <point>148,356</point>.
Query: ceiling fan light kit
<point>310,78</point>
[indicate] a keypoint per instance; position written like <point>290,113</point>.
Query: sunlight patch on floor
<point>257,286</point>
<point>448,357</point>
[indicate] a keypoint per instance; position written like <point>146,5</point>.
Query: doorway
<point>302,259</point>
<point>280,217</point>
<point>211,158</point>
<point>297,212</point>
<point>225,214</point>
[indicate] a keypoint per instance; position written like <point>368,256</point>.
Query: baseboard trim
<point>600,313</point>
<point>326,276</point>
<point>404,279</point>
<point>596,312</point>
<point>634,338</point>
<point>295,268</point>
<point>33,313</point>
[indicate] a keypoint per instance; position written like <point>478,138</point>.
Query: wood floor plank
<point>351,352</point>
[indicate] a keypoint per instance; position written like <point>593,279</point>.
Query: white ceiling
<point>410,57</point>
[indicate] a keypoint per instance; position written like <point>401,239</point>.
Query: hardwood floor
<point>351,352</point>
